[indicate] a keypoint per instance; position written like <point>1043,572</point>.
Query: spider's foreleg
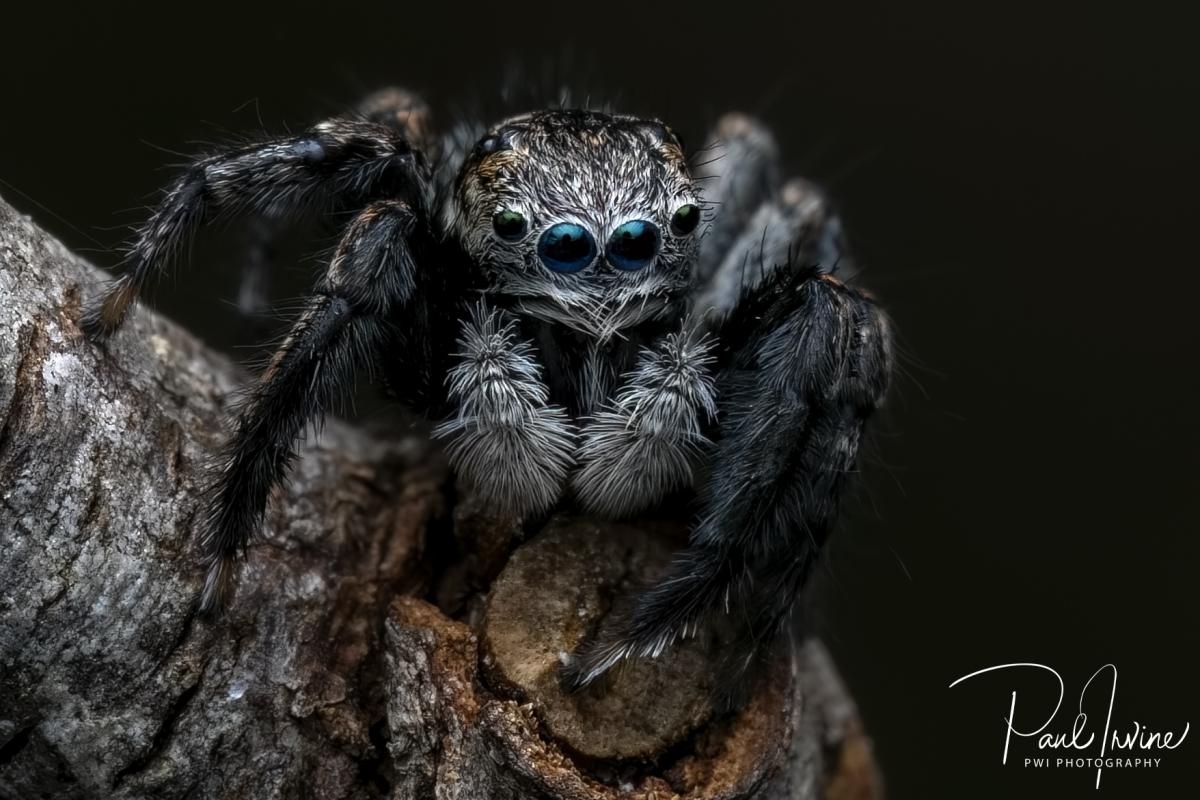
<point>371,275</point>
<point>807,361</point>
<point>739,171</point>
<point>760,222</point>
<point>403,111</point>
<point>797,226</point>
<point>343,162</point>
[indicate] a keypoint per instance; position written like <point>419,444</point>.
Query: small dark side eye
<point>685,220</point>
<point>509,225</point>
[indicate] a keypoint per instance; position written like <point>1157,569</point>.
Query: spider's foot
<point>592,664</point>
<point>102,318</point>
<point>218,584</point>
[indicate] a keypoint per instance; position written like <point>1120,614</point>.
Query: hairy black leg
<point>370,278</point>
<point>796,226</point>
<point>393,107</point>
<point>739,172</point>
<point>340,162</point>
<point>805,361</point>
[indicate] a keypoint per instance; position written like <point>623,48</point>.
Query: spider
<point>585,323</point>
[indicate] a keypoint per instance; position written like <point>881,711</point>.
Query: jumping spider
<point>543,290</point>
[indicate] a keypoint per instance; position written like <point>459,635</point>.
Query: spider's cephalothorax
<point>582,231</point>
<point>545,294</point>
<point>580,219</point>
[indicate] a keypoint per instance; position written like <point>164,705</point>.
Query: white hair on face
<point>505,441</point>
<point>598,172</point>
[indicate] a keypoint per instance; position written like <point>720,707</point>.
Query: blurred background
<point>1018,186</point>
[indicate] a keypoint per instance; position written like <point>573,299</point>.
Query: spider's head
<point>581,218</point>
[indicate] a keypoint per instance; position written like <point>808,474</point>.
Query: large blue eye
<point>567,247</point>
<point>633,245</point>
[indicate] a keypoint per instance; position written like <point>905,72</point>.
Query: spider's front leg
<point>337,163</point>
<point>366,288</point>
<point>407,114</point>
<point>805,361</point>
<point>761,222</point>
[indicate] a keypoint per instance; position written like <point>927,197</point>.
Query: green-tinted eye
<point>509,225</point>
<point>685,220</point>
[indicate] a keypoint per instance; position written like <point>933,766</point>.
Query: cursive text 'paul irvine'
<point>1080,735</point>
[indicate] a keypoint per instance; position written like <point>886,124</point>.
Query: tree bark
<point>384,639</point>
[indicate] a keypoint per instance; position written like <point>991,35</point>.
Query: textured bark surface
<point>349,664</point>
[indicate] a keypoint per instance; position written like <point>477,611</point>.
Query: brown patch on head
<point>494,166</point>
<point>667,142</point>
<point>572,164</point>
<point>672,153</point>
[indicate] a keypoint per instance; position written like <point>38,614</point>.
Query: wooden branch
<point>339,670</point>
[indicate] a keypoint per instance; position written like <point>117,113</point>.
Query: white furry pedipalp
<point>505,441</point>
<point>648,440</point>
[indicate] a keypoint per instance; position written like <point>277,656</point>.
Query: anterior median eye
<point>633,245</point>
<point>567,247</point>
<point>685,220</point>
<point>509,225</point>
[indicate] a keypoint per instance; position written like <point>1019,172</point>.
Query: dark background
<point>1019,187</point>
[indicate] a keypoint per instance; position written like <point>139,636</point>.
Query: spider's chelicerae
<point>588,319</point>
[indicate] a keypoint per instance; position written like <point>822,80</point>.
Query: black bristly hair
<point>530,287</point>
